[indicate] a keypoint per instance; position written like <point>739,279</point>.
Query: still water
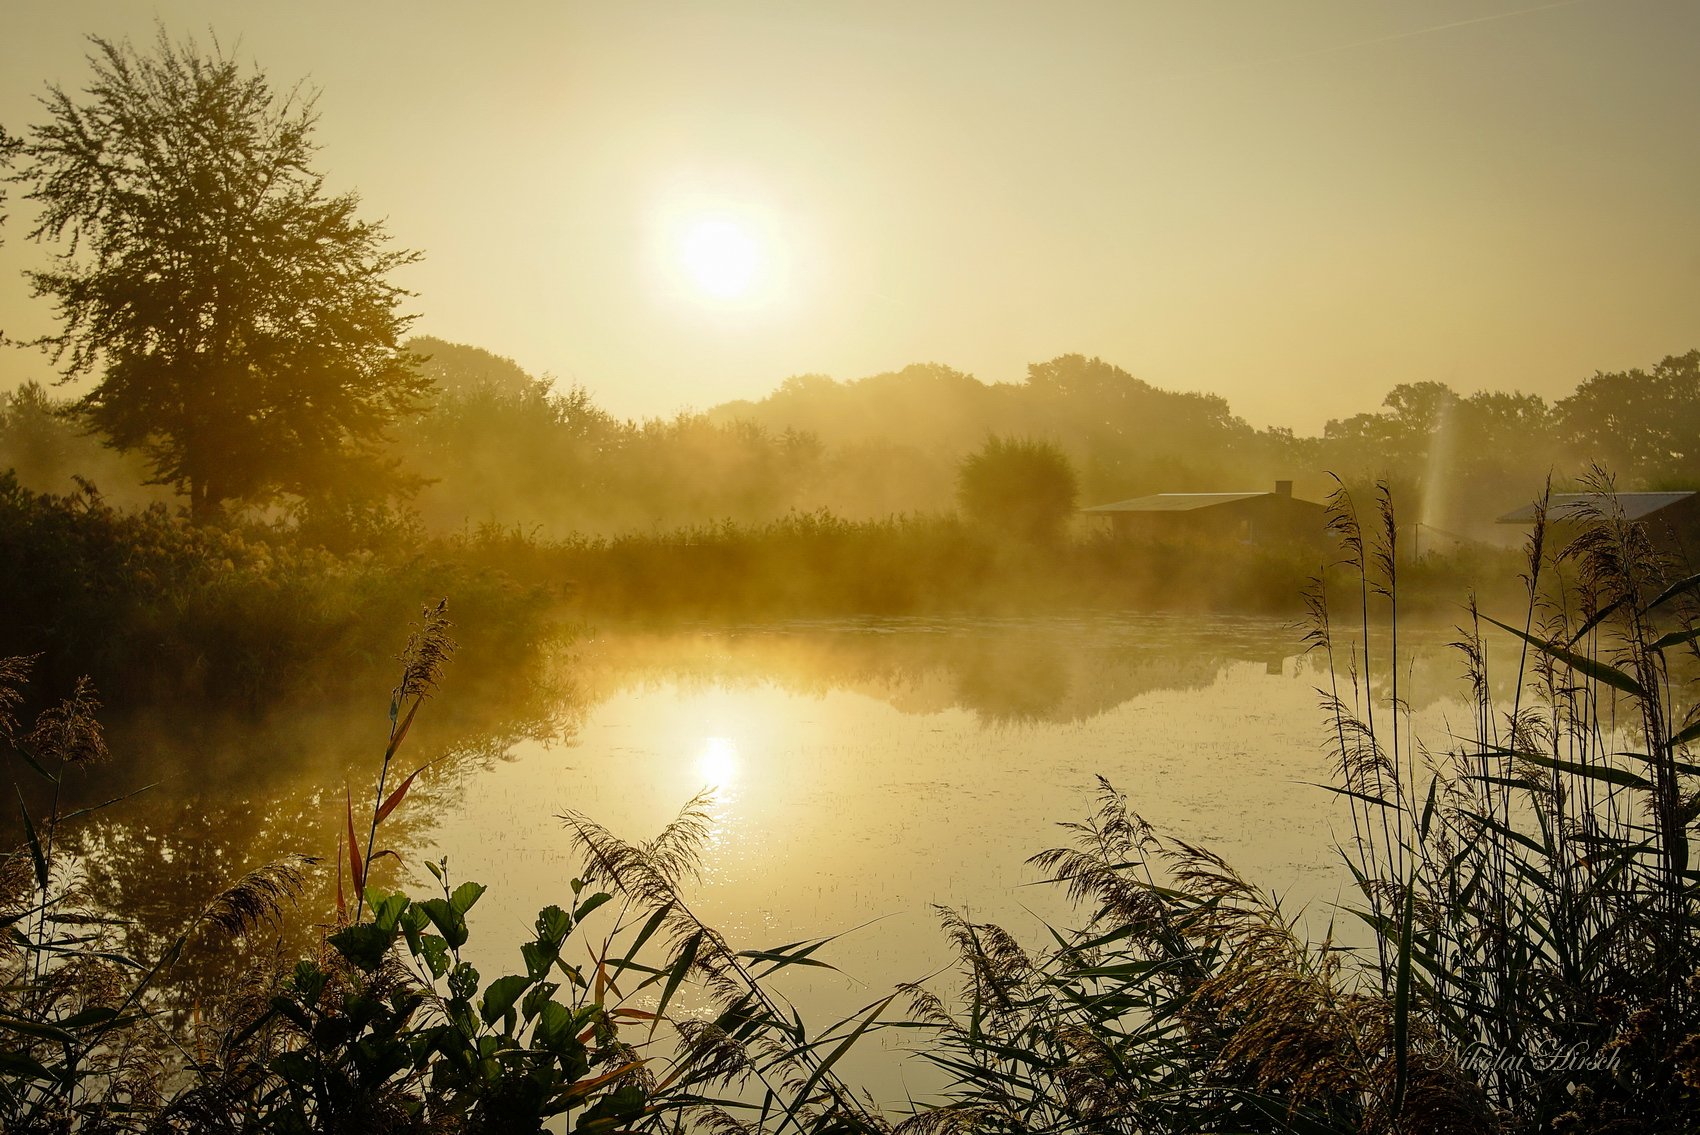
<point>859,773</point>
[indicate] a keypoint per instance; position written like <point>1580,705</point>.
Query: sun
<point>722,257</point>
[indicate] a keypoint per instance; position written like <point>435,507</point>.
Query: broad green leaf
<point>590,904</point>
<point>364,944</point>
<point>553,925</point>
<point>448,921</point>
<point>502,995</point>
<point>465,895</point>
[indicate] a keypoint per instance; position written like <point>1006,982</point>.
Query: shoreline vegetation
<point>239,618</point>
<point>284,478</point>
<point>1528,889</point>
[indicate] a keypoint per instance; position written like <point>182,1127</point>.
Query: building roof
<point>1174,502</point>
<point>1567,506</point>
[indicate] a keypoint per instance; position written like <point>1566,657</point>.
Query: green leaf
<point>1428,808</point>
<point>538,996</point>
<point>448,921</point>
<point>1675,638</point>
<point>387,909</point>
<point>465,895</point>
<point>364,944</point>
<point>555,1029</point>
<point>1595,620</point>
<point>94,1015</point>
<point>1592,667</point>
<point>553,925</point>
<point>538,959</point>
<point>436,953</point>
<point>1376,801</point>
<point>1402,1002</point>
<point>590,904</point>
<point>501,996</point>
<point>821,1069</point>
<point>682,963</point>
<point>614,1110</point>
<point>23,1064</point>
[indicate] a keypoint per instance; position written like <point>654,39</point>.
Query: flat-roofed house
<point>1672,519</point>
<point>1249,518</point>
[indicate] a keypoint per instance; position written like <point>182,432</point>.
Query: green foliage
<point>81,1048</point>
<point>50,451</point>
<point>1528,895</point>
<point>1528,958</point>
<point>1027,488</point>
<point>389,1027</point>
<point>155,608</point>
<point>1641,423</point>
<point>363,1039</point>
<point>238,318</point>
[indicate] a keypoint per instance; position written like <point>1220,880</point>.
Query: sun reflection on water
<point>717,764</point>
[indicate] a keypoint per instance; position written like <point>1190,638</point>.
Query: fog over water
<point>860,772</point>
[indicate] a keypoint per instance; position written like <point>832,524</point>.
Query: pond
<point>858,773</point>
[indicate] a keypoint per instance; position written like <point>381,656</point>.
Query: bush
<point>1026,488</point>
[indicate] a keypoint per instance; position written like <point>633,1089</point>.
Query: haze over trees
<point>244,341</point>
<point>1022,486</point>
<point>238,319</point>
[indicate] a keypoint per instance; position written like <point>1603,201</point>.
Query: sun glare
<point>723,253</point>
<point>717,762</point>
<point>721,257</point>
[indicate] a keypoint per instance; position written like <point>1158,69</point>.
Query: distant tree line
<point>499,446</point>
<point>246,348</point>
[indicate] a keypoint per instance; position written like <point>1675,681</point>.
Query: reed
<point>1528,958</point>
<point>1528,892</point>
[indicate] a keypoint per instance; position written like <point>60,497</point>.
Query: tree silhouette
<point>239,318</point>
<point>9,147</point>
<point>1025,487</point>
<point>1643,424</point>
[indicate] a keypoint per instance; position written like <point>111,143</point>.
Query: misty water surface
<point>859,772</point>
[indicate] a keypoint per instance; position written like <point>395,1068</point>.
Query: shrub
<point>1027,488</point>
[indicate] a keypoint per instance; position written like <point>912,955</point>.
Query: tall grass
<point>1527,892</point>
<point>1525,955</point>
<point>84,1039</point>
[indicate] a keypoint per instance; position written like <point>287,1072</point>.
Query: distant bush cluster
<point>155,608</point>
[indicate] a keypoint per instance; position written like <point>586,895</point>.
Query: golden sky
<point>1296,205</point>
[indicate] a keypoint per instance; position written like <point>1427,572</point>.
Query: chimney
<point>1283,488</point>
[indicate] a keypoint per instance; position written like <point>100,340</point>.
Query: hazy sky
<point>1295,205</point>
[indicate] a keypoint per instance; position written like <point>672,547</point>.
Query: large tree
<point>239,320</point>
